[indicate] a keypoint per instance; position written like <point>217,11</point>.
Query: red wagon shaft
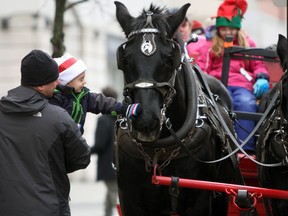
<point>221,187</point>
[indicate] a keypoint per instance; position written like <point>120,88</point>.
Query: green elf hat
<point>230,13</point>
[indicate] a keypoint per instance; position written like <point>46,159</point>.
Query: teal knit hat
<point>230,13</point>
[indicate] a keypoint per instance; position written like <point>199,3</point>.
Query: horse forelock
<point>158,20</point>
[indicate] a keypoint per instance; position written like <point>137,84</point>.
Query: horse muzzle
<point>144,129</point>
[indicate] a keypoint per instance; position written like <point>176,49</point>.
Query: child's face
<point>224,31</point>
<point>78,82</point>
<point>185,30</point>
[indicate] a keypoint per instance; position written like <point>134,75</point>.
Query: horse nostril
<point>154,124</point>
<point>147,125</point>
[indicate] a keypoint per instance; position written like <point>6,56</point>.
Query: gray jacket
<point>39,144</point>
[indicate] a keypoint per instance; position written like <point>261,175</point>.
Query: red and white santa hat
<point>69,68</point>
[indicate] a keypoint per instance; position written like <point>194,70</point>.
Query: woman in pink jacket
<point>248,79</point>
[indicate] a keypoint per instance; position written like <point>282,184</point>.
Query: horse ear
<point>282,50</point>
<point>124,18</point>
<point>175,19</point>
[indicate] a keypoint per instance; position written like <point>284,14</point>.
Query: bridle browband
<point>143,31</point>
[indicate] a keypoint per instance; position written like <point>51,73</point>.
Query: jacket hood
<point>23,101</point>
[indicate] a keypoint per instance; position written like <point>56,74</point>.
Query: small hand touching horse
<point>177,131</point>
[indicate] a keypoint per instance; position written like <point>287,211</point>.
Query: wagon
<point>244,199</point>
<point>239,194</point>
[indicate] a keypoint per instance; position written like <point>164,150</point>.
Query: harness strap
<point>174,193</point>
<point>233,139</point>
<point>267,206</point>
<point>149,20</point>
<point>244,202</point>
<point>158,152</point>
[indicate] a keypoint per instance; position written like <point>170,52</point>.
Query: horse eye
<point>169,62</point>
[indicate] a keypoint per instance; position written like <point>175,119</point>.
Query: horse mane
<point>158,20</point>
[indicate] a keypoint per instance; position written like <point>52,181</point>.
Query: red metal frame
<point>221,187</point>
<point>230,189</point>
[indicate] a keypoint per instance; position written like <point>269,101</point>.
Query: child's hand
<point>260,87</point>
<point>128,110</point>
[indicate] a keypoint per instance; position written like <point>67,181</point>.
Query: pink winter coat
<point>212,65</point>
<point>193,49</point>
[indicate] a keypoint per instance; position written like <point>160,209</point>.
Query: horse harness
<point>205,113</point>
<point>276,127</point>
<point>206,119</point>
<point>191,142</point>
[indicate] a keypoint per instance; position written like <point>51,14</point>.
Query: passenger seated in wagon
<point>248,80</point>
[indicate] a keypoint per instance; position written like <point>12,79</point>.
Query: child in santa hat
<point>248,79</point>
<point>73,96</point>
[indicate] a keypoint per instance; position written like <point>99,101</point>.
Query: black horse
<point>178,131</point>
<point>272,144</point>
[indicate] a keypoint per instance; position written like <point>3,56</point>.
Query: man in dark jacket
<point>39,144</point>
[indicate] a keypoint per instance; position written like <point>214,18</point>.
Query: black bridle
<point>277,126</point>
<point>166,89</point>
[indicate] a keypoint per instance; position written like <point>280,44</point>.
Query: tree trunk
<point>58,33</point>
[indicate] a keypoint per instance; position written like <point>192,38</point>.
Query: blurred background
<point>93,34</point>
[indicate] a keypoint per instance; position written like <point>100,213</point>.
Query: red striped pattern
<point>66,64</point>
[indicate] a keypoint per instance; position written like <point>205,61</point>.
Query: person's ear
<point>39,88</point>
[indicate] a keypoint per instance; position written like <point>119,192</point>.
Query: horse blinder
<point>120,56</point>
<point>176,55</point>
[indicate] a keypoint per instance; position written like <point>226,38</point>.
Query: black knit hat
<point>38,68</point>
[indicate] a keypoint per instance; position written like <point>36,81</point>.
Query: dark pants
<point>244,100</point>
<point>111,197</point>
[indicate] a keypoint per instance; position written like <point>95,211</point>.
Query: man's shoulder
<point>55,110</point>
<point>60,98</point>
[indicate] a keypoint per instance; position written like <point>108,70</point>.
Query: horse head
<point>150,60</point>
<point>272,144</point>
<point>276,134</point>
<point>282,53</point>
<point>280,142</point>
